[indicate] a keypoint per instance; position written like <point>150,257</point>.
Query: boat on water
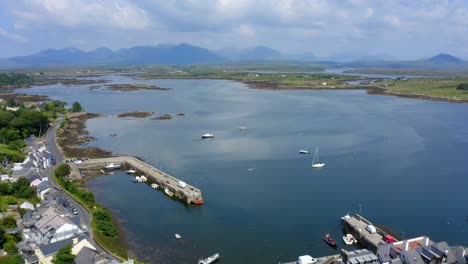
<point>347,216</point>
<point>154,186</point>
<point>143,178</point>
<point>207,135</point>
<point>349,239</point>
<point>303,151</point>
<point>102,171</point>
<point>112,166</point>
<point>329,240</point>
<point>242,128</point>
<point>210,259</point>
<point>198,202</point>
<point>315,162</point>
<point>138,179</point>
<point>168,192</point>
<point>177,236</point>
<point>131,171</point>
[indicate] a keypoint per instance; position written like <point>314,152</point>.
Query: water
<point>402,160</point>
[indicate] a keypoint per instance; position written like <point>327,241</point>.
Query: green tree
<point>62,170</point>
<point>22,189</point>
<point>3,238</point>
<point>64,256</point>
<point>76,107</point>
<point>462,86</point>
<point>5,118</point>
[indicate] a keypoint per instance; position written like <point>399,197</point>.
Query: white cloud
<point>246,30</point>
<point>12,36</point>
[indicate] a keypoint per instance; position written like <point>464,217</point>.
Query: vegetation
<point>76,107</point>
<point>415,72</point>
<point>15,79</point>
<point>8,243</point>
<point>62,170</point>
<point>104,229</point>
<point>462,86</point>
<point>64,256</point>
<point>18,189</point>
<point>8,222</point>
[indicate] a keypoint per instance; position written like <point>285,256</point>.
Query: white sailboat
<point>315,161</point>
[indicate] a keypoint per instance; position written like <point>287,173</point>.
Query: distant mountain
<point>250,54</point>
<point>445,58</point>
<point>357,56</point>
<point>163,54</point>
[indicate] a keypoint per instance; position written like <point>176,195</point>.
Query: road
<point>85,217</point>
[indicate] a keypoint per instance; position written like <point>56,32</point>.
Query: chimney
<point>426,241</point>
<point>75,240</point>
<point>405,245</point>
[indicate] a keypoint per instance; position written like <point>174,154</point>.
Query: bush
<point>64,256</point>
<point>104,223</point>
<point>462,86</point>
<point>8,222</point>
<point>21,189</point>
<point>62,170</point>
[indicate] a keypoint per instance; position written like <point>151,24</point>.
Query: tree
<point>76,107</point>
<point>62,170</point>
<point>462,86</point>
<point>64,256</point>
<point>3,238</point>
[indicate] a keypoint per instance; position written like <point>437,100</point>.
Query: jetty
<point>320,260</point>
<point>181,190</point>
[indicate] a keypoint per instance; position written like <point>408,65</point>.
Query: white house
<point>54,227</point>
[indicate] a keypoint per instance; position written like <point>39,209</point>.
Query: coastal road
<point>85,217</point>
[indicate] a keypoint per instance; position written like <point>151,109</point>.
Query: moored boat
<point>315,161</point>
<point>138,179</point>
<point>131,171</point>
<point>349,239</point>
<point>177,236</point>
<point>198,202</point>
<point>303,151</point>
<point>112,166</point>
<point>168,192</point>
<point>208,135</point>
<point>154,186</point>
<point>143,178</point>
<point>329,240</point>
<point>210,259</point>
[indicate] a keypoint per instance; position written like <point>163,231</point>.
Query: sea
<point>401,163</point>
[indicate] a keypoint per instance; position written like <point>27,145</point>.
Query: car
<point>75,212</point>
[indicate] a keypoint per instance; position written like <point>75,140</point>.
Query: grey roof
<point>31,259</point>
<point>52,248</point>
<point>85,256</point>
<point>43,186</point>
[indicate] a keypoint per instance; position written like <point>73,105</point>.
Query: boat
<point>143,178</point>
<point>303,151</point>
<point>177,236</point>
<point>198,202</point>
<point>315,161</point>
<point>168,192</point>
<point>208,135</point>
<point>154,186</point>
<point>131,171</point>
<point>209,259</point>
<point>347,216</point>
<point>138,179</point>
<point>329,240</point>
<point>242,128</point>
<point>349,239</point>
<point>102,171</point>
<point>112,166</point>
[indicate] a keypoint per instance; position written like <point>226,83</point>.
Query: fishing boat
<point>210,259</point>
<point>143,178</point>
<point>303,151</point>
<point>112,166</point>
<point>329,240</point>
<point>168,192</point>
<point>154,186</point>
<point>349,239</point>
<point>131,171</point>
<point>207,135</point>
<point>315,161</point>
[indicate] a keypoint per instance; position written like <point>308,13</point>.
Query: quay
<point>321,260</point>
<point>366,233</point>
<point>184,192</point>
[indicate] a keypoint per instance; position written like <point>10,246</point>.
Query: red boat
<point>198,202</point>
<point>329,240</point>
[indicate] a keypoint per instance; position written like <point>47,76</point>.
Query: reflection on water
<point>402,159</point>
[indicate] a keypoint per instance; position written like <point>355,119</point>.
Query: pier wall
<point>189,194</point>
<point>356,225</point>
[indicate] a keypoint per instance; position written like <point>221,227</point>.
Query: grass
<point>12,154</point>
<point>99,227</point>
<point>436,88</point>
<point>416,72</point>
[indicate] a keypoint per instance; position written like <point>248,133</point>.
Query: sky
<point>402,29</point>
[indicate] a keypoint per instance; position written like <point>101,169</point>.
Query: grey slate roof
<point>43,186</point>
<point>85,256</point>
<point>52,248</point>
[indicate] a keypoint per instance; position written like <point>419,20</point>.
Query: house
<point>46,253</point>
<point>13,109</point>
<point>42,189</point>
<point>35,182</point>
<point>54,227</point>
<point>359,256</point>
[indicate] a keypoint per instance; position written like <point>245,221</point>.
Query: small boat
<point>207,135</point>
<point>131,171</point>
<point>329,240</point>
<point>242,128</point>
<point>347,216</point>
<point>198,202</point>
<point>209,259</point>
<point>349,239</point>
<point>168,192</point>
<point>177,236</point>
<point>303,151</point>
<point>315,161</point>
<point>154,186</point>
<point>102,171</point>
<point>143,178</point>
<point>138,179</point>
<point>112,166</point>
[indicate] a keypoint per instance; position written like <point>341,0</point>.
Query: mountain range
<point>186,54</point>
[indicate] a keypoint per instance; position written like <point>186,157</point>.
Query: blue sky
<point>403,29</point>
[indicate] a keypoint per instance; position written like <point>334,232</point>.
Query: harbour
<point>180,189</point>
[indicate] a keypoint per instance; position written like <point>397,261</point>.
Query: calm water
<point>403,160</point>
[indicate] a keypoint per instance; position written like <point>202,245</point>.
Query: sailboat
<point>315,161</point>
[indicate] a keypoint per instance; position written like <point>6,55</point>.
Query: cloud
<point>12,36</point>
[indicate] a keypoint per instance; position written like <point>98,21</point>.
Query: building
<point>46,253</point>
<point>54,227</point>
<point>359,256</point>
<point>42,189</point>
